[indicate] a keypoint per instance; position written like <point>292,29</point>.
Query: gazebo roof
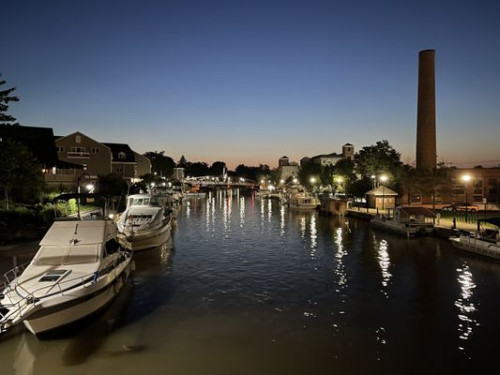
<point>381,191</point>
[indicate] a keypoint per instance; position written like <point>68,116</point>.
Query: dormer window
<point>122,156</point>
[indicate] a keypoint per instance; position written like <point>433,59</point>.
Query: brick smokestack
<point>426,111</point>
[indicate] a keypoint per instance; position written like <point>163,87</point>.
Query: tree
<point>21,173</point>
<point>5,99</point>
<point>112,185</point>
<point>377,159</point>
<point>161,164</point>
<point>307,172</point>
<point>197,169</point>
<point>218,168</point>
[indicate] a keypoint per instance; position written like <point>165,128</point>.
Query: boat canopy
<point>491,220</point>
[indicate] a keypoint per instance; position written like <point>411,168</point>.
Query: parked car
<point>461,207</point>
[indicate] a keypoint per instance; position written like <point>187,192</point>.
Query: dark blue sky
<point>251,81</point>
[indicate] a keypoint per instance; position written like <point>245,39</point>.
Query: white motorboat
<point>484,241</point>
<point>78,269</point>
<point>408,221</point>
<point>145,223</point>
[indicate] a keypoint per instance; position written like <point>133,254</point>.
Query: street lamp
<point>466,178</point>
<point>89,186</point>
<point>339,181</point>
<point>313,181</point>
<point>383,178</point>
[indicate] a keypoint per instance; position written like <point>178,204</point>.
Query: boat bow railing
<point>18,308</point>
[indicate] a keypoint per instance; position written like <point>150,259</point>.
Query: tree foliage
<point>161,164</point>
<point>5,98</point>
<point>377,159</point>
<point>252,173</point>
<point>112,185</point>
<point>21,174</point>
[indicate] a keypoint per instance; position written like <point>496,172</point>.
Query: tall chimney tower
<point>426,111</point>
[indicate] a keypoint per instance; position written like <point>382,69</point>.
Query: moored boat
<point>145,223</point>
<point>408,221</point>
<point>78,269</point>
<point>303,201</point>
<point>484,241</point>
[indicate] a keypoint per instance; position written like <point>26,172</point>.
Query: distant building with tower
<point>333,158</point>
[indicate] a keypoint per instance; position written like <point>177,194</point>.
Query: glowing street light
<point>466,178</point>
<point>383,178</point>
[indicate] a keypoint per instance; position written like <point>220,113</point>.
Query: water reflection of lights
<point>242,212</point>
<point>210,213</point>
<point>226,212</point>
<point>303,227</point>
<point>282,221</point>
<point>314,235</point>
<point>466,308</point>
<point>339,267</point>
<point>384,262</point>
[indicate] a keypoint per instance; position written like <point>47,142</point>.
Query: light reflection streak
<point>269,210</point>
<point>314,235</point>
<point>466,307</point>
<point>339,267</point>
<point>303,227</point>
<point>226,211</point>
<point>339,274</point>
<point>242,212</point>
<point>262,209</point>
<point>282,221</point>
<point>384,262</point>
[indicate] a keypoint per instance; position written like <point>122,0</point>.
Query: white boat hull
<point>142,241</point>
<point>401,228</point>
<point>75,305</point>
<point>477,246</point>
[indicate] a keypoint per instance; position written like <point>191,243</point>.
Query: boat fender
<point>96,275</point>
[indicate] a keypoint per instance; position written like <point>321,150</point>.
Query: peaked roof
<point>40,141</point>
<point>381,190</point>
<point>117,148</point>
<point>417,211</point>
<point>332,155</point>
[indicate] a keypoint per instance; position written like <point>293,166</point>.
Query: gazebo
<point>381,197</point>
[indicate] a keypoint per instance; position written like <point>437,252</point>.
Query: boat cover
<point>82,232</point>
<point>491,220</point>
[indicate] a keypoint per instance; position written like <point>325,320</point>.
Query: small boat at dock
<point>145,223</point>
<point>407,221</point>
<point>483,242</point>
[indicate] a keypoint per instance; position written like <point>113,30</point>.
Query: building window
<point>122,156</point>
<point>60,148</point>
<point>119,169</point>
<point>95,150</point>
<point>478,187</point>
<point>78,139</point>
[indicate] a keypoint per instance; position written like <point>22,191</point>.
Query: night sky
<point>247,82</point>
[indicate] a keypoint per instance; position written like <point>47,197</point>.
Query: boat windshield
<point>59,255</point>
<point>140,202</point>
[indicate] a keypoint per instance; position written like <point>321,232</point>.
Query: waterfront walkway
<point>444,223</point>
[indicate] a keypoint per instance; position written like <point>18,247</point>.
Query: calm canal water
<point>249,287</point>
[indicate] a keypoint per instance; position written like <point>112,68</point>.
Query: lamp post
<point>383,178</point>
<point>466,179</point>
<point>313,182</point>
<point>89,187</point>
